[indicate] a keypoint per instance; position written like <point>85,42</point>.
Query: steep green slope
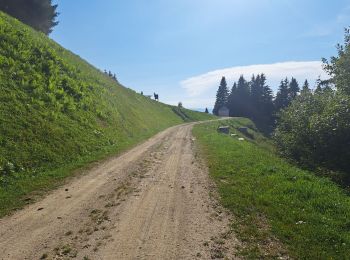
<point>57,112</point>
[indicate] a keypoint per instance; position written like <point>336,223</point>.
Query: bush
<point>315,130</point>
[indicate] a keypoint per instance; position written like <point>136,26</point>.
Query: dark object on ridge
<point>156,97</point>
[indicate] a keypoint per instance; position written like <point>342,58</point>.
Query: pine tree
<point>221,96</point>
<point>39,14</point>
<point>282,97</point>
<point>293,89</point>
<point>318,89</point>
<point>261,103</point>
<point>306,87</point>
<point>253,99</point>
<point>255,89</point>
<point>243,98</point>
<point>232,100</point>
<point>256,93</point>
<point>206,110</point>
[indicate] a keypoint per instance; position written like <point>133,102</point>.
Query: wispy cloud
<point>206,83</point>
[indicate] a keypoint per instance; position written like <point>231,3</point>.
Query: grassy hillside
<point>57,113</point>
<point>309,215</point>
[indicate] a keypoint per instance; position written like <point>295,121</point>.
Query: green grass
<point>59,113</point>
<point>309,215</point>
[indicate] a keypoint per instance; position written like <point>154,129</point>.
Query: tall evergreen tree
<point>261,103</point>
<point>243,97</point>
<point>293,89</point>
<point>232,100</point>
<point>306,87</point>
<point>282,97</point>
<point>267,98</point>
<point>256,91</point>
<point>221,96</point>
<point>39,14</point>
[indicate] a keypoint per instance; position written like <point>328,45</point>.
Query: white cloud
<point>207,83</point>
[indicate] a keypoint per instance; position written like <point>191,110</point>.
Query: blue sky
<point>180,49</point>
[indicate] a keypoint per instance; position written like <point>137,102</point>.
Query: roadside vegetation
<point>58,113</point>
<point>310,127</point>
<point>314,130</point>
<point>280,210</point>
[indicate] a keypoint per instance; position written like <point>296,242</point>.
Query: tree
<point>253,99</point>
<point>306,87</point>
<point>323,85</point>
<point>315,130</point>
<point>339,66</point>
<point>232,100</point>
<point>206,110</point>
<point>293,89</point>
<point>243,98</point>
<point>282,97</point>
<point>256,92</point>
<point>39,14</point>
<point>221,96</point>
<point>261,103</point>
<point>179,105</point>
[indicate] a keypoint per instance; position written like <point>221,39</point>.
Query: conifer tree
<point>243,97</point>
<point>282,97</point>
<point>293,89</point>
<point>306,87</point>
<point>206,110</point>
<point>318,89</point>
<point>261,103</point>
<point>232,100</point>
<point>221,96</point>
<point>255,89</point>
<point>39,14</point>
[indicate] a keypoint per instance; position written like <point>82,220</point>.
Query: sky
<point>180,49</point>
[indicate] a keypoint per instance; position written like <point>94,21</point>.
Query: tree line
<point>314,130</point>
<point>254,99</point>
<point>309,127</point>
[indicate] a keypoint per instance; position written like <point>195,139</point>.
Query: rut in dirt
<point>152,202</point>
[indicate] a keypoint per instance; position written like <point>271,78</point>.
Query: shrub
<point>315,130</point>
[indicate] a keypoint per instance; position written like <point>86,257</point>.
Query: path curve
<point>152,202</point>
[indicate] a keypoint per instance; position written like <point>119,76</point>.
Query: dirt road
<point>152,202</point>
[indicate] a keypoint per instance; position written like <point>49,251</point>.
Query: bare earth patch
<point>152,202</point>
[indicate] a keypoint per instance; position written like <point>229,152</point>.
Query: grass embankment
<point>309,215</point>
<point>58,113</point>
